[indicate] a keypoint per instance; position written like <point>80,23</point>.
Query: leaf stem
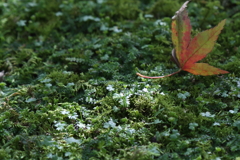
<point>158,76</point>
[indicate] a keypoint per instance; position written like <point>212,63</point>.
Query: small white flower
<point>58,14</point>
<point>115,29</point>
<point>216,124</point>
<point>232,111</point>
<point>110,88</point>
<point>207,114</point>
<point>74,116</point>
<point>81,125</point>
<point>21,23</point>
<point>159,22</point>
<point>145,90</point>
<point>65,112</point>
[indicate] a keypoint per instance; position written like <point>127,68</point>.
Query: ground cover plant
<point>69,89</point>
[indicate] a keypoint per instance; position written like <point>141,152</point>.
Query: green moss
<point>164,8</point>
<point>70,89</point>
<point>3,154</point>
<point>128,9</point>
<point>63,77</point>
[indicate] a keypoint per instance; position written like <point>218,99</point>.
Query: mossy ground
<point>70,89</point>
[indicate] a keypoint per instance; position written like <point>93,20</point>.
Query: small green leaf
<point>31,100</point>
<point>73,140</point>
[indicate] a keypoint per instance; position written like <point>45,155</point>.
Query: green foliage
<point>70,91</point>
<point>116,8</point>
<point>164,8</point>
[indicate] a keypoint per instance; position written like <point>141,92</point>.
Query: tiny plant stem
<point>158,76</point>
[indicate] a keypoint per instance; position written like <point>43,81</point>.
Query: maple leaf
<point>188,51</point>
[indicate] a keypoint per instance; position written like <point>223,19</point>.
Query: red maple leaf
<point>189,50</point>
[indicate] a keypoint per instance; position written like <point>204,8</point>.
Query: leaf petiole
<point>158,76</point>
